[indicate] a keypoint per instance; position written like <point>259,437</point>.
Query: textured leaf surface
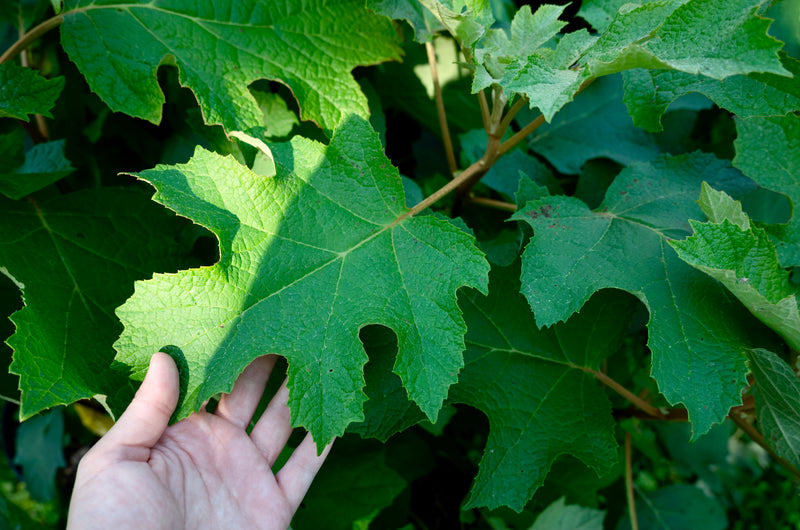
<point>533,386</point>
<point>677,507</point>
<point>768,151</point>
<point>648,93</point>
<point>307,259</point>
<point>221,47</point>
<point>44,164</point>
<point>40,452</point>
<point>466,20</point>
<point>744,260</point>
<point>349,488</point>
<point>777,395</point>
<point>75,259</point>
<point>23,92</point>
<point>595,125</point>
<point>708,37</point>
<point>561,516</point>
<point>697,353</point>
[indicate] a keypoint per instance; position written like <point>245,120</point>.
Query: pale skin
<point>204,472</point>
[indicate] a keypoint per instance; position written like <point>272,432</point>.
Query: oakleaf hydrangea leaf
<point>23,92</point>
<point>307,259</point>
<point>697,332</point>
<point>535,387</point>
<point>777,394</point>
<point>708,37</point>
<point>44,164</point>
<point>768,151</point>
<point>648,93</point>
<point>744,260</point>
<point>75,258</point>
<point>221,47</point>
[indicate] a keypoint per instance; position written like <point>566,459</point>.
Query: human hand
<point>202,472</point>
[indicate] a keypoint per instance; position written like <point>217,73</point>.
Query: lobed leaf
<point>222,47</point>
<point>535,388</point>
<point>75,258</point>
<point>307,259</point>
<point>23,92</point>
<point>744,260</point>
<point>697,333</point>
<point>648,93</point>
<point>768,151</point>
<point>777,394</point>
<point>561,516</point>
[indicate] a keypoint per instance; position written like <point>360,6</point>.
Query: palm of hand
<point>203,472</point>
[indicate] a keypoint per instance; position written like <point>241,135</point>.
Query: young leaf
<point>535,387</point>
<point>466,20</point>
<point>777,394</point>
<point>23,92</point>
<point>768,151</point>
<point>560,516</point>
<point>708,37</point>
<point>623,244</point>
<point>648,93</point>
<point>221,47</point>
<point>307,259</point>
<point>744,260</point>
<point>44,164</point>
<point>75,258</point>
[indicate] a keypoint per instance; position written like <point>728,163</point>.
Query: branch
<point>29,37</point>
<point>484,110</point>
<point>437,90</point>
<point>493,203</point>
<point>501,129</point>
<point>624,392</point>
<point>629,482</point>
<point>520,135</point>
<point>462,177</point>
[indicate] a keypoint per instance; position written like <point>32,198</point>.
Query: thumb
<point>146,418</point>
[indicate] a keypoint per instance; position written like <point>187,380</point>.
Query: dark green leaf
<point>44,164</point>
<point>75,259</point>
<point>768,151</point>
<point>624,245</point>
<point>535,387</point>
<point>40,452</point>
<point>23,92</point>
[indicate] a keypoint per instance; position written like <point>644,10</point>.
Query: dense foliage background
<point>573,304</point>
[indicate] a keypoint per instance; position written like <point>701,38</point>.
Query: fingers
<point>146,418</point>
<point>239,406</point>
<point>299,471</point>
<point>274,427</point>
